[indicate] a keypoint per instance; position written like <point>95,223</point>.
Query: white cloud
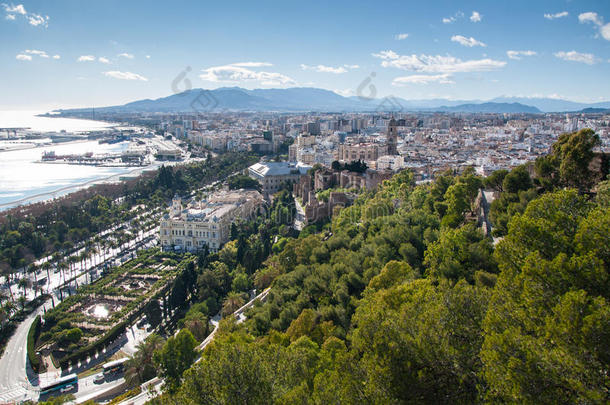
<point>252,64</point>
<point>37,19</point>
<point>101,59</point>
<point>574,56</point>
<point>453,18</point>
<point>444,78</point>
<point>42,54</point>
<point>14,9</point>
<point>329,69</point>
<point>595,19</point>
<point>125,55</point>
<point>402,36</point>
<point>235,74</point>
<point>115,74</point>
<point>556,15</point>
<point>476,17</point>
<point>33,19</point>
<point>605,32</point>
<point>470,42</point>
<point>147,56</point>
<point>518,54</point>
<point>590,17</point>
<point>86,58</point>
<point>56,57</point>
<point>436,63</point>
<point>386,55</point>
<point>22,56</point>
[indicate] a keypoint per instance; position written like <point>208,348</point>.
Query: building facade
<point>208,222</point>
<point>272,175</point>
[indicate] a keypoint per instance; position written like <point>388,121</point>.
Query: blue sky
<point>89,53</point>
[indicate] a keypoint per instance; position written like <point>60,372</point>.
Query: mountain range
<point>314,99</point>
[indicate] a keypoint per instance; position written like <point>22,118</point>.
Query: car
<point>99,378</point>
<point>67,388</point>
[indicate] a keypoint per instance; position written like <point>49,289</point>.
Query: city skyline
<point>73,54</point>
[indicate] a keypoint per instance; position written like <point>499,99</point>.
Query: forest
<point>403,299</point>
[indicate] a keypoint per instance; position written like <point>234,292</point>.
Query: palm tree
<point>63,266</point>
<point>47,266</point>
<point>82,257</point>
<point>22,301</point>
<point>4,315</point>
<point>9,307</point>
<point>71,261</point>
<point>232,303</point>
<point>24,283</point>
<point>141,367</point>
<point>93,253</point>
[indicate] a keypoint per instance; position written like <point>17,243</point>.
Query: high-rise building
<point>313,128</point>
<point>392,137</point>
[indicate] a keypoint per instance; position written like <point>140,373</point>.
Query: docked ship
<point>51,156</point>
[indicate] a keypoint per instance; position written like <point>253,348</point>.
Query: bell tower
<point>392,137</point>
<point>176,206</point>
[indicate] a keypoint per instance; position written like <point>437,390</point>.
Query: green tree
<point>176,356</point>
<point>232,303</point>
<point>569,162</point>
<point>419,343</point>
<point>198,324</point>
<point>141,368</point>
<point>517,180</point>
<point>495,180</point>
<point>459,254</point>
<point>548,323</point>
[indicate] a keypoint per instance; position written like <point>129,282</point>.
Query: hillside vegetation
<point>402,299</point>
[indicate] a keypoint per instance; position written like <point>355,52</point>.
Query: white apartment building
<point>207,222</point>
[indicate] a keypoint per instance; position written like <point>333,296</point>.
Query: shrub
<point>31,344</point>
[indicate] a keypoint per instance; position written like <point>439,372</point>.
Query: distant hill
<point>314,99</point>
<point>238,99</point>
<point>592,110</point>
<point>491,108</point>
<point>551,104</point>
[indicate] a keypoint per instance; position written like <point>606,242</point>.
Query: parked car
<point>99,378</point>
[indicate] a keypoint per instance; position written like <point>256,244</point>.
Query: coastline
<point>46,145</point>
<point>62,191</point>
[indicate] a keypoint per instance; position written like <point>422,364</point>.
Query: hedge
<point>91,349</point>
<point>129,394</point>
<point>33,335</point>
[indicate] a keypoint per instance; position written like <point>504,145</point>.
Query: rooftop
<point>278,168</point>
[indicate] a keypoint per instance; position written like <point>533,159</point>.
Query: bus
<point>67,381</point>
<point>114,366</point>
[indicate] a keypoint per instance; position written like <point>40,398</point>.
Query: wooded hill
<point>402,299</point>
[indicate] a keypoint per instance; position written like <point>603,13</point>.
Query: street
<point>15,383</point>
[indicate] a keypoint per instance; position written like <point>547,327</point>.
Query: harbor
<point>35,167</point>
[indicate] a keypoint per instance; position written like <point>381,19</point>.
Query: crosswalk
<point>13,395</point>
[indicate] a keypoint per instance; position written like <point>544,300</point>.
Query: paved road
<point>14,384</point>
<point>87,389</point>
